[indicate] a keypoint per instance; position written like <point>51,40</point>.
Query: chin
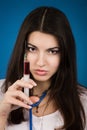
<point>41,80</point>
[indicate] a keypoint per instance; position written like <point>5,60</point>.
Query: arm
<point>3,115</point>
<point>15,97</point>
<point>3,121</point>
<point>2,124</point>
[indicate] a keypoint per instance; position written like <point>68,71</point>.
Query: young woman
<point>50,49</point>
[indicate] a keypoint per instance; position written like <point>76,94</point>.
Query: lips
<point>41,72</point>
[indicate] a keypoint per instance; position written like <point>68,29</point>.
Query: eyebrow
<point>47,49</point>
<point>31,45</point>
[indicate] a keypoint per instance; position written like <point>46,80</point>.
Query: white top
<point>48,122</point>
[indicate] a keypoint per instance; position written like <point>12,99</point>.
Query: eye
<point>31,49</point>
<point>53,51</point>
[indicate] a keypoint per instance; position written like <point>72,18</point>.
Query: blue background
<point>13,12</point>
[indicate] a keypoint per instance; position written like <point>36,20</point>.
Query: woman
<point>50,49</point>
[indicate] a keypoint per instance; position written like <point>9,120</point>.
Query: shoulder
<point>21,126</point>
<point>83,97</point>
<point>1,83</point>
<point>83,94</point>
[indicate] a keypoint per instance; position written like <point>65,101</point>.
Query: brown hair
<point>63,87</point>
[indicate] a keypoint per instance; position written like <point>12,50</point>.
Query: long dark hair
<point>63,89</point>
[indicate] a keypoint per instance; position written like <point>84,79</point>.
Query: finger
<point>21,96</point>
<point>19,103</point>
<point>21,84</point>
<point>34,99</point>
<point>13,99</point>
<point>30,81</point>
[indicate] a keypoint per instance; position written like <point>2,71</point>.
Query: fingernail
<point>36,99</point>
<point>35,84</point>
<point>30,102</point>
<point>30,107</point>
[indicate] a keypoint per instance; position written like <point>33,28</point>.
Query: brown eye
<point>53,51</point>
<point>31,49</point>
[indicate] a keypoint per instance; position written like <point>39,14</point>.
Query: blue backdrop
<point>12,13</point>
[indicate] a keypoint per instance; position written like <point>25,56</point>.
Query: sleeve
<point>84,103</point>
<point>1,82</point>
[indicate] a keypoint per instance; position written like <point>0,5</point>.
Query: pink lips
<point>40,72</point>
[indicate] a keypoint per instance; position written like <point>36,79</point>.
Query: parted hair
<point>64,88</point>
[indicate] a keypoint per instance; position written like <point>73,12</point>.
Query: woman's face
<point>43,55</point>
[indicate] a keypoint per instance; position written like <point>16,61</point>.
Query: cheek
<point>55,63</point>
<point>30,58</point>
<point>52,62</point>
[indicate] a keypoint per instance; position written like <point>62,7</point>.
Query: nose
<point>41,60</point>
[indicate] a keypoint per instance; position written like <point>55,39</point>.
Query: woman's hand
<point>15,96</point>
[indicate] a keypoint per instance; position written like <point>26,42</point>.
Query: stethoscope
<point>35,105</point>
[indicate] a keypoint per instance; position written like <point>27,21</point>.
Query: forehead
<point>42,39</point>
